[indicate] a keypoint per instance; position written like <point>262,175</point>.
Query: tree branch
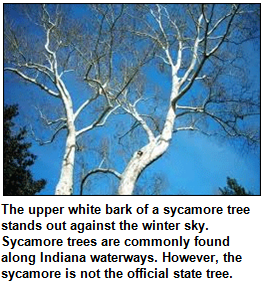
<point>99,170</point>
<point>41,142</point>
<point>205,55</point>
<point>84,105</point>
<point>131,109</point>
<point>33,80</point>
<point>100,121</point>
<point>50,122</point>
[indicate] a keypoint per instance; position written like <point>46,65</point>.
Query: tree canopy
<point>18,179</point>
<point>234,189</point>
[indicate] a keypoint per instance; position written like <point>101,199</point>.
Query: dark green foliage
<point>234,189</point>
<point>18,179</point>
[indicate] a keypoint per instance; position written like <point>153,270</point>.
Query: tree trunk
<point>65,184</point>
<point>152,151</point>
<point>140,160</point>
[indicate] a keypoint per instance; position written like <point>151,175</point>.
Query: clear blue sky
<point>193,165</point>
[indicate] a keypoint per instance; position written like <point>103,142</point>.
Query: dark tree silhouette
<point>233,188</point>
<point>18,179</point>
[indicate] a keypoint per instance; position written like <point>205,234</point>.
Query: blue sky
<point>194,164</point>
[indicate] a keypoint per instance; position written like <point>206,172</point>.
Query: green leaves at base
<point>234,189</point>
<point>18,179</point>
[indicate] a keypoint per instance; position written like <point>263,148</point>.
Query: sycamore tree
<point>47,43</point>
<point>115,50</point>
<point>201,48</point>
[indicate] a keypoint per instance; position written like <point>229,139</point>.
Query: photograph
<point>131,99</point>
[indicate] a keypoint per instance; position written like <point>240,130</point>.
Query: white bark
<point>158,146</point>
<point>140,160</point>
<point>152,151</point>
<point>52,68</point>
<point>102,76</point>
<point>65,184</point>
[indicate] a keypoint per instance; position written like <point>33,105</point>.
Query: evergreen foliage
<point>234,189</point>
<point>18,179</point>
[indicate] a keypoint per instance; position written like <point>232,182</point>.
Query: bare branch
<point>50,122</point>
<point>84,105</point>
<point>195,52</point>
<point>193,128</point>
<point>134,126</point>
<point>41,142</point>
<point>99,170</point>
<point>33,80</point>
<point>158,19</point>
<point>100,121</point>
<point>131,109</point>
<point>233,13</point>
